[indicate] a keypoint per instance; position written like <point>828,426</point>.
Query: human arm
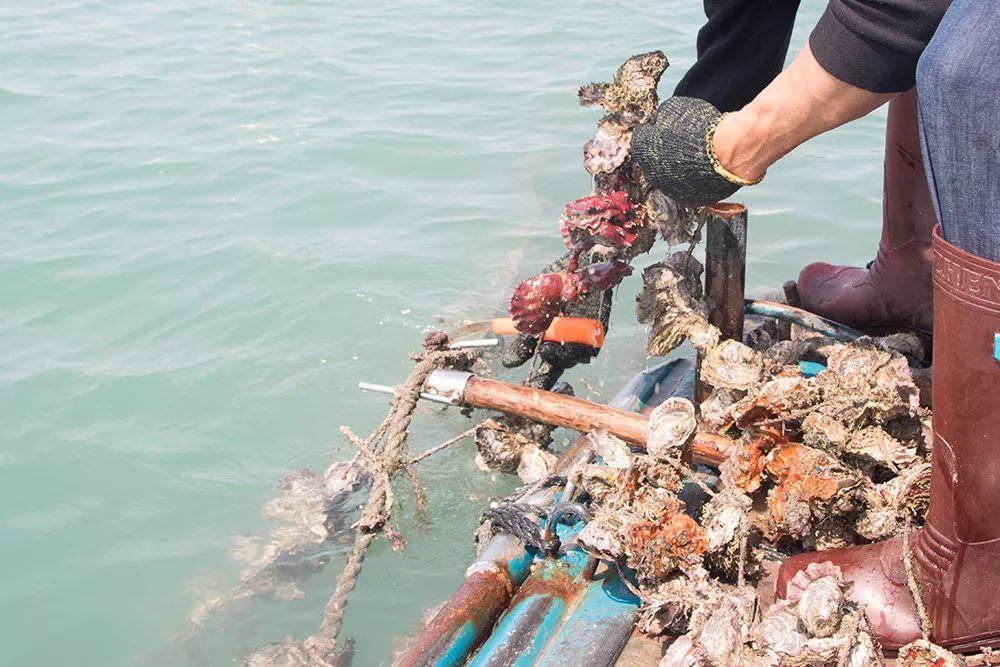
<point>861,53</point>
<point>802,102</point>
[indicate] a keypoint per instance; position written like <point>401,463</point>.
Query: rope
<point>911,584</point>
<point>383,453</point>
<point>744,542</point>
<point>514,519</point>
<point>444,445</point>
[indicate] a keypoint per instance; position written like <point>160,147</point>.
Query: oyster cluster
<point>622,216</point>
<point>816,624</point>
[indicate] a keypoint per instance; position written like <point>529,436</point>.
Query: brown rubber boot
<point>894,292</point>
<point>956,554</point>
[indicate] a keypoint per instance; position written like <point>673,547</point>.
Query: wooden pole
<point>725,267</point>
<point>573,413</point>
<point>725,273</point>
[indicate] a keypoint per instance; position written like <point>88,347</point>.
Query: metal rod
<point>803,318</point>
<point>478,342</point>
<point>386,389</point>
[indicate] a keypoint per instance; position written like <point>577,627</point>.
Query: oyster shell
<point>670,302</point>
<point>671,425</point>
<point>732,365</point>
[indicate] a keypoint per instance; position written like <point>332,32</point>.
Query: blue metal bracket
<point>996,346</point>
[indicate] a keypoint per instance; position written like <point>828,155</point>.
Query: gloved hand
<point>675,152</point>
<point>557,357</point>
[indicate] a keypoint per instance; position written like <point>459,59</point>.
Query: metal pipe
<point>388,389</point>
<point>478,342</point>
<point>802,318</point>
<point>460,626</point>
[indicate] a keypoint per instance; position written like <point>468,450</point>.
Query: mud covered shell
<point>670,303</point>
<point>671,425</point>
<point>535,464</point>
<point>674,223</point>
<point>612,450</point>
<point>732,365</point>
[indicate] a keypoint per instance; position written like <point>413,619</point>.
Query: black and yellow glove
<point>677,157</point>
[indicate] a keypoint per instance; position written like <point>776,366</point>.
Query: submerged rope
<point>384,454</point>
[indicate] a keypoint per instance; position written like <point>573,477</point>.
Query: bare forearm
<point>801,103</point>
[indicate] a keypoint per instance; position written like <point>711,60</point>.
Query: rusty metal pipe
<point>461,626</point>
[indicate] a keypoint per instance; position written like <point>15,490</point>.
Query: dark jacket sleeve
<point>741,49</point>
<point>875,44</point>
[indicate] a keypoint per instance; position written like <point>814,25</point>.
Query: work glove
<point>557,357</point>
<point>676,155</point>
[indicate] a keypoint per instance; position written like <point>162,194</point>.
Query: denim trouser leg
<point>958,80</point>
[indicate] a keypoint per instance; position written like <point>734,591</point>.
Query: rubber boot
<point>956,554</point>
<point>894,292</point>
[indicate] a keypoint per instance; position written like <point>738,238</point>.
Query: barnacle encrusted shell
<point>873,444</point>
<point>671,425</point>
<point>614,452</point>
<point>713,409</point>
<point>891,505</point>
<point>670,303</point>
<point>535,464</point>
<point>732,365</point>
<point>674,223</point>
<point>500,441</point>
<point>631,96</point>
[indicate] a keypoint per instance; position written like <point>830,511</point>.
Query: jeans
<point>958,84</point>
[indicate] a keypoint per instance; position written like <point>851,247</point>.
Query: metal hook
<point>549,537</point>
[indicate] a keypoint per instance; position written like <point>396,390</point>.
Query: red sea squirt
<point>537,301</point>
<point>609,220</point>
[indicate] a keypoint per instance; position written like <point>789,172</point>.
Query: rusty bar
<point>535,614</point>
<point>463,623</point>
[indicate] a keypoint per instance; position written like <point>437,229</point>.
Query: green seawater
<point>216,217</point>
